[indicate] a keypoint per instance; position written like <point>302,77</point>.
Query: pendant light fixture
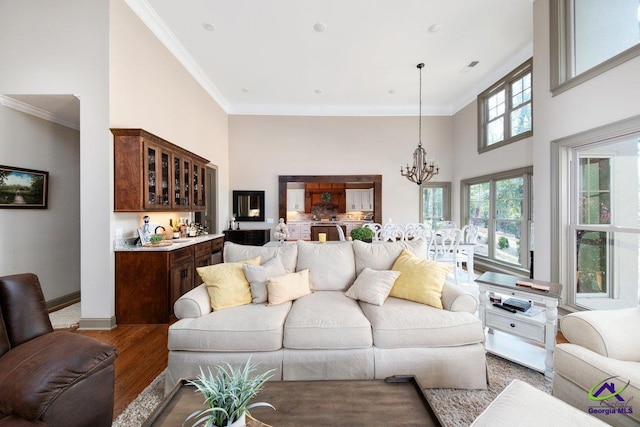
<point>423,169</point>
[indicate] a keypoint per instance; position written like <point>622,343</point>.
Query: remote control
<point>512,310</point>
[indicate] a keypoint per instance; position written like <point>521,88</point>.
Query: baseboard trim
<point>97,324</point>
<point>63,301</point>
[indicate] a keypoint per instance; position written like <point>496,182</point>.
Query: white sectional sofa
<point>326,334</point>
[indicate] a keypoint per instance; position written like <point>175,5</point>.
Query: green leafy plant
<point>155,238</point>
<point>227,394</point>
<point>503,242</point>
<point>362,233</point>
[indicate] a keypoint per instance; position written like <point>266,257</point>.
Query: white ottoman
<point>523,405</point>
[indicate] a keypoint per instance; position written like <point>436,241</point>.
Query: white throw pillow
<point>381,256</point>
<point>257,275</point>
<point>289,287</point>
<point>287,252</point>
<point>331,266</point>
<point>373,286</point>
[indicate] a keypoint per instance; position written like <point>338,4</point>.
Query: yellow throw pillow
<point>226,283</point>
<point>288,287</point>
<point>421,280</point>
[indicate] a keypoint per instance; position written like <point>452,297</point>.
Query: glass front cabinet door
<point>156,173</point>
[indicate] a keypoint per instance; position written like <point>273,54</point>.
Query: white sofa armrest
<point>194,303</point>
<point>611,333</point>
<point>455,298</point>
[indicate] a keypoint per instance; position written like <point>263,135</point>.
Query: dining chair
<point>391,232</point>
<point>447,225</point>
<point>469,236</point>
<point>447,248</point>
<point>341,233</point>
<point>375,227</point>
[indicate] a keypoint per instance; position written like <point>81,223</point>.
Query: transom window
<point>504,110</point>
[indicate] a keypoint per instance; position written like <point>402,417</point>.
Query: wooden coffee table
<point>396,401</point>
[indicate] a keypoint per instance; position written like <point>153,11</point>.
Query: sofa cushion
<point>289,287</point>
<point>226,283</point>
<point>257,275</point>
<point>421,280</point>
<point>373,286</point>
<point>287,253</point>
<point>250,327</point>
<point>331,266</point>
<point>381,256</point>
<point>326,320</point>
<point>400,323</point>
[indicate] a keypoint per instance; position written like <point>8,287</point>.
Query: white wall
<point>263,147</point>
<point>61,47</point>
<point>150,89</point>
<point>610,97</point>
<point>31,238</point>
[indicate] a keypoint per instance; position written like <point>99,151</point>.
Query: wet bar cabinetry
<point>151,173</point>
<point>148,282</point>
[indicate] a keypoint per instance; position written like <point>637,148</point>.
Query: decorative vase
<point>240,422</point>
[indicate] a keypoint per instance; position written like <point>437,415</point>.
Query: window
<point>500,205</point>
<point>599,244</point>
<point>589,37</point>
<point>435,203</point>
<point>504,110</point>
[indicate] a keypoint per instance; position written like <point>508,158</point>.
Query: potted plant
<point>362,233</point>
<point>227,395</point>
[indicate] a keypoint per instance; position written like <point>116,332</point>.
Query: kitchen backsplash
<point>349,216</point>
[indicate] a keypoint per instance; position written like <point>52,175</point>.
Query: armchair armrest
<point>456,299</point>
<point>194,303</point>
<point>611,333</point>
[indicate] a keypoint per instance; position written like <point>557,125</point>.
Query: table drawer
<point>520,327</point>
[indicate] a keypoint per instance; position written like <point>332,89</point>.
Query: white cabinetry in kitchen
<point>294,230</point>
<point>295,199</point>
<point>359,200</point>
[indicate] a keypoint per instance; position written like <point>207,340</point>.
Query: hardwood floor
<point>142,356</point>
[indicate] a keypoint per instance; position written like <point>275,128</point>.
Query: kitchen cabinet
<point>324,193</point>
<point>149,282</point>
<point>305,231</point>
<point>295,200</point>
<point>359,200</point>
<point>248,237</point>
<point>294,231</point>
<point>151,173</point>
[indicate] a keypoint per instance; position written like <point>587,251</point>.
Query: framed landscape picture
<point>23,188</point>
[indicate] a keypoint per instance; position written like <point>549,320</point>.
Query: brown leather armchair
<point>47,377</point>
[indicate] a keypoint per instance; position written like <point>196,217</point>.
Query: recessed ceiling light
<point>208,26</point>
<point>392,91</point>
<point>318,91</point>
<point>319,27</point>
<point>469,66</point>
<point>435,28</point>
<point>246,90</point>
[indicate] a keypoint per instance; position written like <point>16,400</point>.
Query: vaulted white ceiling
<point>269,57</point>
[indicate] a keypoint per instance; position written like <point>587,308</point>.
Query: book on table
<point>517,304</point>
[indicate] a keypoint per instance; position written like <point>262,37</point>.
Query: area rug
<point>456,408</point>
<point>66,318</point>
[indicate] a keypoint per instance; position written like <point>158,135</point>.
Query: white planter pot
<point>240,422</point>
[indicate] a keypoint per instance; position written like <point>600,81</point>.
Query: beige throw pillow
<point>421,280</point>
<point>289,287</point>
<point>226,283</point>
<point>257,276</point>
<point>373,286</point>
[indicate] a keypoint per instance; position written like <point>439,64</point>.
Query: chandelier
<point>423,169</point>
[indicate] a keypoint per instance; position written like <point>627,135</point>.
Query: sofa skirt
<point>186,364</point>
<point>463,367</point>
<point>349,364</point>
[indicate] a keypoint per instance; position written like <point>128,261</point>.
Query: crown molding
<point>152,20</point>
<point>334,110</point>
<point>37,112</point>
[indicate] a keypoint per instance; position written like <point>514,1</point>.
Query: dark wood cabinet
<point>330,230</point>
<point>148,283</point>
<point>248,237</point>
<point>151,173</point>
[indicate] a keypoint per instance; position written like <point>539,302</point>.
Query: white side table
<point>540,328</point>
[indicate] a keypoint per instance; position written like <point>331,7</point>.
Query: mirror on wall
<point>248,205</point>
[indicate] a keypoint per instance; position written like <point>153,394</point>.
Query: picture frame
<point>22,188</point>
